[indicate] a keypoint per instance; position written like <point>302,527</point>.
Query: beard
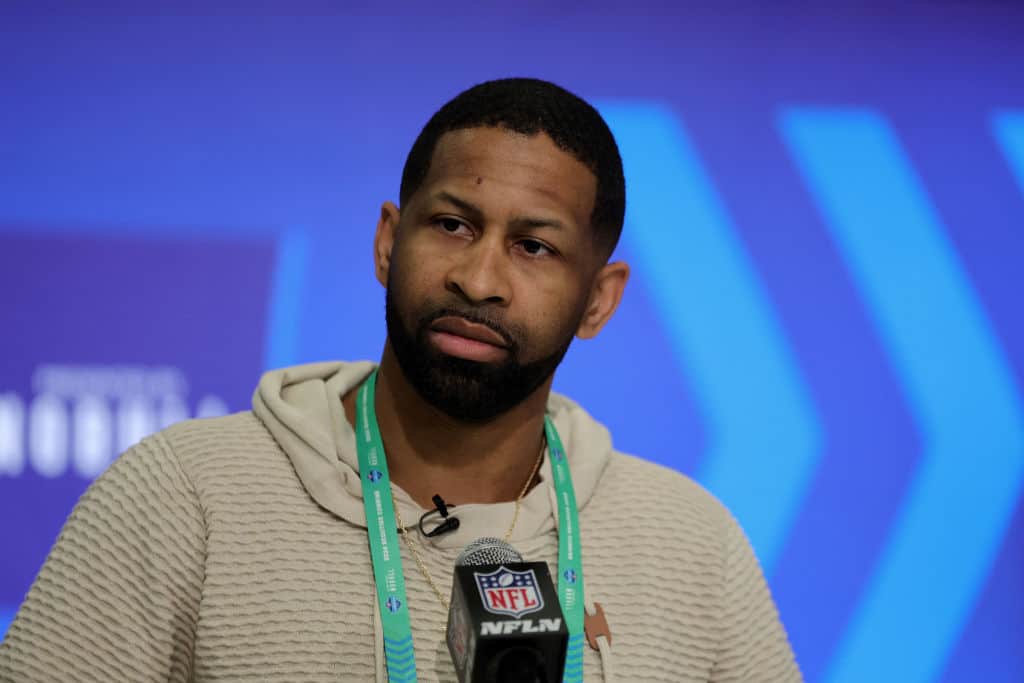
<point>467,390</point>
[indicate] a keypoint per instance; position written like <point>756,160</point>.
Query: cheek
<point>411,278</point>
<point>422,257</point>
<point>552,316</point>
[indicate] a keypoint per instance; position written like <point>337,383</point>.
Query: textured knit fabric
<point>235,549</point>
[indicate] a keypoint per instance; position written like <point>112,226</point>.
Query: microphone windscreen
<point>487,551</point>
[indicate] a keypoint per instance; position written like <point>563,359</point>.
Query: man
<point>238,548</point>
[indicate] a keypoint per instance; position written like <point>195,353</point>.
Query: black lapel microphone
<point>448,524</point>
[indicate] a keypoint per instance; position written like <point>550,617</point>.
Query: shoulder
<point>200,441</point>
<point>214,432</point>
<point>178,452</point>
<point>635,477</point>
<point>610,482</point>
<point>647,495</point>
<point>222,455</point>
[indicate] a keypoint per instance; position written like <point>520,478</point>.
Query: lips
<point>461,327</point>
<point>457,337</point>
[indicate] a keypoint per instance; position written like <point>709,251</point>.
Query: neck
<point>431,453</point>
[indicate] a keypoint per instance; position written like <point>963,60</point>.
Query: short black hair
<point>530,106</point>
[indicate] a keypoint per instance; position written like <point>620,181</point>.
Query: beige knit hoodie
<point>235,549</point>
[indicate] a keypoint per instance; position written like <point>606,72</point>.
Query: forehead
<point>529,169</point>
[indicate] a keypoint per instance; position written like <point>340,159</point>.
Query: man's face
<point>490,270</point>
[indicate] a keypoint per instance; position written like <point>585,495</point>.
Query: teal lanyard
<point>387,558</point>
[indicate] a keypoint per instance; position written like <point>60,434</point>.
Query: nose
<point>480,273</point>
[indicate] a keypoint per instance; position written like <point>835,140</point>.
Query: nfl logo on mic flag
<point>505,591</point>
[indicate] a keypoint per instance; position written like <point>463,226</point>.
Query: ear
<point>384,240</point>
<point>605,295</point>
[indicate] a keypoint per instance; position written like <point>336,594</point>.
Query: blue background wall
<point>825,220</point>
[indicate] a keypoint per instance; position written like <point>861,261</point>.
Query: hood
<point>301,406</point>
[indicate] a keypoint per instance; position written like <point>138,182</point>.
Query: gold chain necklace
<point>508,534</point>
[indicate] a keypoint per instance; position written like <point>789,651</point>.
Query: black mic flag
<point>505,624</point>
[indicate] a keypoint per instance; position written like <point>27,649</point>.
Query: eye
<point>452,226</point>
<point>535,248</point>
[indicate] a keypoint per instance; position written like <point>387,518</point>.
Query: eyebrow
<point>519,222</point>
<point>474,211</point>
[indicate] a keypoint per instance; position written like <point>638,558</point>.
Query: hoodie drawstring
<point>604,646</point>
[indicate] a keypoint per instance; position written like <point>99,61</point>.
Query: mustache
<point>473,316</point>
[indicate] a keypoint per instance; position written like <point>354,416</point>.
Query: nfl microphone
<point>505,623</point>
